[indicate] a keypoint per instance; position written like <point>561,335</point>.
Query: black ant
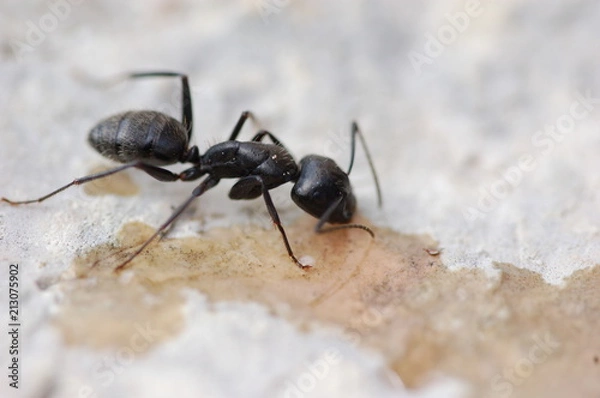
<point>148,139</point>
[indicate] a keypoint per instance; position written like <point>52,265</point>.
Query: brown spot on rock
<point>513,334</point>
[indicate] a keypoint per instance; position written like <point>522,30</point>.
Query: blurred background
<point>482,117</point>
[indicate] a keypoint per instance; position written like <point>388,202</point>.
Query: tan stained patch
<point>510,336</point>
<point>117,184</point>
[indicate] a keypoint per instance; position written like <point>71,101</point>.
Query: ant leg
<point>76,181</point>
<point>355,132</point>
<point>247,182</point>
<point>156,172</point>
<point>325,217</point>
<point>264,133</point>
<point>204,186</point>
<point>258,137</point>
<point>187,118</point>
<point>191,174</point>
<point>240,123</point>
<point>186,98</point>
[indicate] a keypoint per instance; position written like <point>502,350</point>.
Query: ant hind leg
<point>77,181</point>
<point>186,97</point>
<point>155,172</point>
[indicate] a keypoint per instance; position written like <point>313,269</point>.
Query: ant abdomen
<point>147,136</point>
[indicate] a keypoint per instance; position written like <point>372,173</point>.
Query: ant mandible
<point>148,139</point>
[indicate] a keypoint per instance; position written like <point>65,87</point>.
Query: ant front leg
<point>248,188</point>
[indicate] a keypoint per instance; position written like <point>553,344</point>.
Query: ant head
<point>322,188</point>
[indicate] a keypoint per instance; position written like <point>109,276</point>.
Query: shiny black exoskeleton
<point>149,139</point>
<point>147,136</point>
<point>323,190</point>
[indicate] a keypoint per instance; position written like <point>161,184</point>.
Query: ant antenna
<point>356,131</point>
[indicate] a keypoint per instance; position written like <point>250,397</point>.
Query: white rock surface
<point>448,136</point>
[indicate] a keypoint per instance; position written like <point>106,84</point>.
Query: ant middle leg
<point>240,123</point>
<point>258,137</point>
<point>204,186</point>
